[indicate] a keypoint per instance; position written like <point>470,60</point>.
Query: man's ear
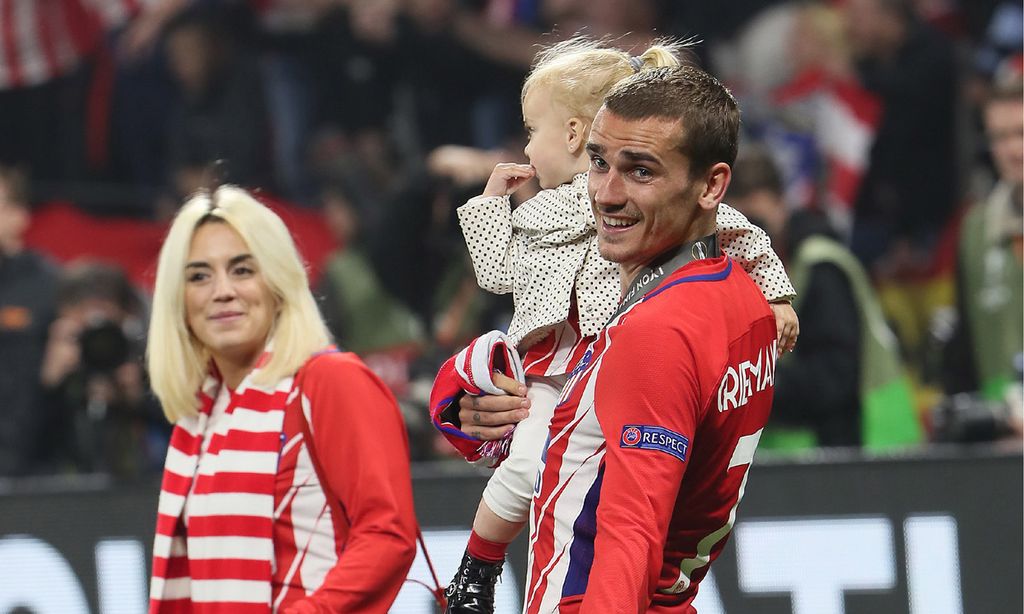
<point>716,182</point>
<point>575,134</point>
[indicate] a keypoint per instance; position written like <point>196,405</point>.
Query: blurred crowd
<point>876,123</point>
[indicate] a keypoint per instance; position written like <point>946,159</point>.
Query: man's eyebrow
<point>630,155</point>
<point>639,156</point>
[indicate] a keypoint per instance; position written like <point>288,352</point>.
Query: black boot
<point>472,588</point>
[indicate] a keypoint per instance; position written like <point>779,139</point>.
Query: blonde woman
<point>545,253</point>
<point>286,486</point>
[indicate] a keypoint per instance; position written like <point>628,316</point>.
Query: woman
<point>286,487</point>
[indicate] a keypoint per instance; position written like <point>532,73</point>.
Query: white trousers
<point>510,489</point>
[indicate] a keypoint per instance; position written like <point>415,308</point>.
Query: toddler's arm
<point>486,222</point>
<point>752,249</point>
<point>750,246</point>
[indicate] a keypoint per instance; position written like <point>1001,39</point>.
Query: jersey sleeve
<point>363,449</point>
<point>751,248</point>
<point>648,409</point>
<point>487,227</point>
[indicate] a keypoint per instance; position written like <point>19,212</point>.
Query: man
<point>909,190</point>
<point>53,75</point>
<point>847,360</point>
<point>27,282</point>
<point>985,353</point>
<point>649,448</point>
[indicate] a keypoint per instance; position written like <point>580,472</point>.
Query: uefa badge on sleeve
<point>630,437</point>
<point>648,437</point>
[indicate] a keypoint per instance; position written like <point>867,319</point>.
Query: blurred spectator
<point>356,140</point>
<point>440,286</point>
<point>513,39</point>
<point>362,316</point>
<point>56,75</point>
<point>756,61</point>
<point>446,80</point>
<point>357,67</point>
<point>367,319</point>
<point>1003,38</point>
<point>802,98</point>
<point>837,112</point>
<point>295,70</point>
<point>101,416</point>
<point>220,112</point>
<point>843,384</point>
<point>709,24</point>
<point>911,184</point>
<point>27,283</point>
<point>984,355</point>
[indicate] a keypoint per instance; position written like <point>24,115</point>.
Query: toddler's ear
<point>575,134</point>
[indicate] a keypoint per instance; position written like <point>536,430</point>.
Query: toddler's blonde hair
<point>578,72</point>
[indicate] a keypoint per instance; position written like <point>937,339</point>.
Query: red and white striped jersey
<point>41,40</point>
<point>559,351</point>
<point>649,446</point>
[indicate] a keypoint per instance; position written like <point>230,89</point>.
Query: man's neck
<point>703,226</point>
<point>635,279</point>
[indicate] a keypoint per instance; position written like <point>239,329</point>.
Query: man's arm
<point>657,394</point>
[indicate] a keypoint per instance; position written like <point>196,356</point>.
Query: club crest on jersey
<point>645,437</point>
<point>574,376</point>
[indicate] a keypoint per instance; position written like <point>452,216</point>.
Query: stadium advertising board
<point>940,534</point>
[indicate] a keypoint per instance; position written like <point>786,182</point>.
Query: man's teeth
<point>618,222</point>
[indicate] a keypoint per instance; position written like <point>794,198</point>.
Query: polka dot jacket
<point>546,250</point>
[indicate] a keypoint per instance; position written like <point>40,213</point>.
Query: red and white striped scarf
<point>223,561</point>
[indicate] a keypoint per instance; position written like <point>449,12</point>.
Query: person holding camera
<point>101,417</point>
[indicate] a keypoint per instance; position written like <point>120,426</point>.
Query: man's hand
<point>489,417</point>
<point>787,325</point>
<point>508,177</point>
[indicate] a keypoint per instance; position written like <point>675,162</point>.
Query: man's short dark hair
<point>709,113</point>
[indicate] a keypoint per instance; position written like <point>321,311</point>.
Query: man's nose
<point>609,189</point>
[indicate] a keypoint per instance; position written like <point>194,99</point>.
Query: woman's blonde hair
<point>177,361</point>
<point>579,72</point>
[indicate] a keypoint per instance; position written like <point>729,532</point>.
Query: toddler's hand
<point>508,177</point>
<point>787,325</point>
